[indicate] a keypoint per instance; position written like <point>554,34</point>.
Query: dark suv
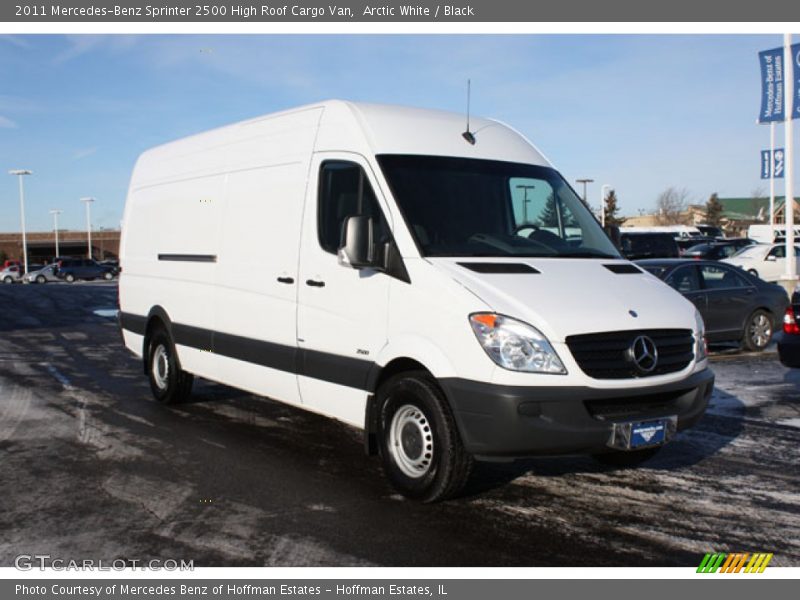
<point>70,269</point>
<point>638,245</point>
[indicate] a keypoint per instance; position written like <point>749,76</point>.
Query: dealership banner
<point>773,90</point>
<point>54,11</point>
<point>772,163</point>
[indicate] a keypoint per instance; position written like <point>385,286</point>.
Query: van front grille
<point>606,355</point>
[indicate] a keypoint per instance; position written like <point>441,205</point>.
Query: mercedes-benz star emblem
<point>643,353</point>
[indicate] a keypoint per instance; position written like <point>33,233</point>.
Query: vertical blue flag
<point>773,102</point>
<point>776,161</point>
<point>795,106</point>
<point>765,164</point>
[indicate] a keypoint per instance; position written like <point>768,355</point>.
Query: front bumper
<point>512,421</point>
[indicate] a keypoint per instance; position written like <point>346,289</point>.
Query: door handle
<point>315,283</point>
<point>287,280</point>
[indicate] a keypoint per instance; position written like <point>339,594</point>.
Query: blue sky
<point>641,113</point>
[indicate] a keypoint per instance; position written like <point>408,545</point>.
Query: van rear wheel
<point>420,447</point>
<point>168,382</point>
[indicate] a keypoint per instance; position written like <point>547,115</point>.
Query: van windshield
<point>470,207</point>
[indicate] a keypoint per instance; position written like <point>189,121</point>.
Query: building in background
<point>737,215</point>
<point>42,245</point>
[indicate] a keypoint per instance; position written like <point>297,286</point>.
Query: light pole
<point>525,201</point>
<point>21,173</point>
<point>789,280</point>
<point>55,212</point>
<point>88,201</point>
<point>584,182</point>
<point>603,204</point>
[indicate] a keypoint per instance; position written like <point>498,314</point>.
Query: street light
<point>526,200</point>
<point>603,204</point>
<point>55,212</point>
<point>88,201</point>
<point>584,182</point>
<point>21,173</point>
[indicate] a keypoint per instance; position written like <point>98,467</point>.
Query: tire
<point>753,272</point>
<point>69,277</point>
<point>758,331</point>
<point>108,276</point>
<point>419,443</point>
<point>8,280</point>
<point>41,279</point>
<point>629,458</point>
<point>168,383</point>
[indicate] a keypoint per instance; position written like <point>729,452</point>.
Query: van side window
<point>778,252</point>
<point>345,191</point>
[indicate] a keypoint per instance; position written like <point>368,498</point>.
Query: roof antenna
<point>468,135</point>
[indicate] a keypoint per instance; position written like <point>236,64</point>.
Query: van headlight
<point>700,347</point>
<point>515,345</point>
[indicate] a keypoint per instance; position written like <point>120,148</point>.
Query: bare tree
<point>671,206</point>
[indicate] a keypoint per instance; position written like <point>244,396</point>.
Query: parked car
<point>70,269</point>
<point>685,243</point>
<point>10,274</point>
<point>409,284</point>
<point>736,306</point>
<point>111,264</point>
<point>648,245</point>
<point>741,242</point>
<point>711,251</point>
<point>767,261</point>
<point>42,274</point>
<point>711,231</point>
<point>789,340</point>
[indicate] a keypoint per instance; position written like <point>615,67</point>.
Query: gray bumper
<point>511,421</point>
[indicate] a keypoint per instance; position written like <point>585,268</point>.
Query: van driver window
<point>345,191</point>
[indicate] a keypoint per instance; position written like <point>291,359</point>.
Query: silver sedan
<point>43,275</point>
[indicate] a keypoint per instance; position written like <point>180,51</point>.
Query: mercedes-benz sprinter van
<point>445,291</point>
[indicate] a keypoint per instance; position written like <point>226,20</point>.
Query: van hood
<point>568,296</point>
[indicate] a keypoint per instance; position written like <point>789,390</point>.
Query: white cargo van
<point>769,234</point>
<point>371,263</point>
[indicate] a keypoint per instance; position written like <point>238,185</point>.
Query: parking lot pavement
<point>92,467</point>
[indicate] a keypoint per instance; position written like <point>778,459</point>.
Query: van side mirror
<point>772,258</point>
<point>357,250</point>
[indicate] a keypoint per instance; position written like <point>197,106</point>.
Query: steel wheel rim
<point>411,441</point>
<point>160,367</point>
<point>760,331</point>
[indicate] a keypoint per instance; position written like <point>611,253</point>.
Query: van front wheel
<point>168,383</point>
<point>420,446</point>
